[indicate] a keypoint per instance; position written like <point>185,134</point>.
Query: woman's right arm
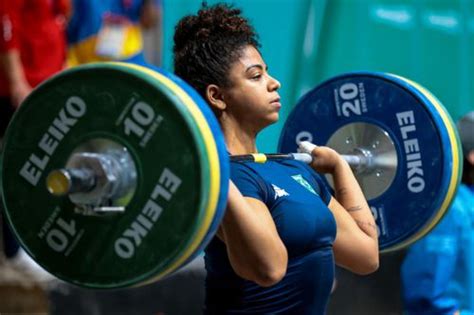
<point>254,247</point>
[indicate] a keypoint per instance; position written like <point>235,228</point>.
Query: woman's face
<point>252,98</point>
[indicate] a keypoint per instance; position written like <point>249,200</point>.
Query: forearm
<point>356,243</point>
<point>18,86</point>
<point>351,197</point>
<point>255,250</point>
<point>12,68</point>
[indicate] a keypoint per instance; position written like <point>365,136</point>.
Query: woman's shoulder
<point>243,168</point>
<point>301,167</point>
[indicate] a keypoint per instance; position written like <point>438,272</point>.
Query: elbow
<point>273,271</point>
<point>264,276</point>
<point>368,269</point>
<point>369,266</point>
<point>363,263</point>
<point>270,277</point>
<point>361,259</point>
<point>371,261</point>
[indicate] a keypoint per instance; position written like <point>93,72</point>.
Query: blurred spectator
<point>438,271</point>
<point>32,48</point>
<point>110,29</point>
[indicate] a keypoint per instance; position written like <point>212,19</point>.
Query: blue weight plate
<point>452,171</point>
<point>420,138</point>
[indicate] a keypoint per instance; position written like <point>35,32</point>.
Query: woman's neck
<point>239,140</point>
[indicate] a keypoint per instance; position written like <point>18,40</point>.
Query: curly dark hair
<point>208,43</point>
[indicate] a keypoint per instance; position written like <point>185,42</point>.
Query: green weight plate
<point>132,109</point>
<point>218,171</point>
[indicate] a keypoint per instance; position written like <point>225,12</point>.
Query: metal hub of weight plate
<point>362,111</point>
<point>370,141</point>
<point>176,150</point>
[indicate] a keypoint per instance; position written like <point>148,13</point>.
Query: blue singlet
<point>297,198</point>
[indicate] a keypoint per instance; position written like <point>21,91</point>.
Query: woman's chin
<point>275,118</point>
<point>272,120</point>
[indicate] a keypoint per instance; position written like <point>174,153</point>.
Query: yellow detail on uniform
<point>259,157</point>
<point>85,50</point>
<point>453,139</point>
<point>213,156</point>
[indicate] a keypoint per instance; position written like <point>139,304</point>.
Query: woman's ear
<point>215,97</point>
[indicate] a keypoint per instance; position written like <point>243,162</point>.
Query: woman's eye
<point>256,76</point>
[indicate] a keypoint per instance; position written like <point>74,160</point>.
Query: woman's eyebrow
<point>257,65</point>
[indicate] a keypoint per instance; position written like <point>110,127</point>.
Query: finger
<point>306,147</point>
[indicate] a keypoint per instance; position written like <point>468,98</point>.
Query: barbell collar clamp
<point>62,182</point>
<point>95,182</point>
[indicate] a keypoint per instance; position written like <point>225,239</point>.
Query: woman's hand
<point>325,159</point>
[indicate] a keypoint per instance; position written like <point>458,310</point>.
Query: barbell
<point>115,175</point>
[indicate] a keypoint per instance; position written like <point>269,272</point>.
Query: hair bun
<point>207,43</point>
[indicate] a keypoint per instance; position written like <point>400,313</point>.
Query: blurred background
<point>304,42</point>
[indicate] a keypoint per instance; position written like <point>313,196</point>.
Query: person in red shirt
<point>32,48</point>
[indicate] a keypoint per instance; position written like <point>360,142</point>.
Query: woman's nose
<point>274,84</point>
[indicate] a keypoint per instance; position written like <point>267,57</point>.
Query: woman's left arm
<point>356,243</point>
